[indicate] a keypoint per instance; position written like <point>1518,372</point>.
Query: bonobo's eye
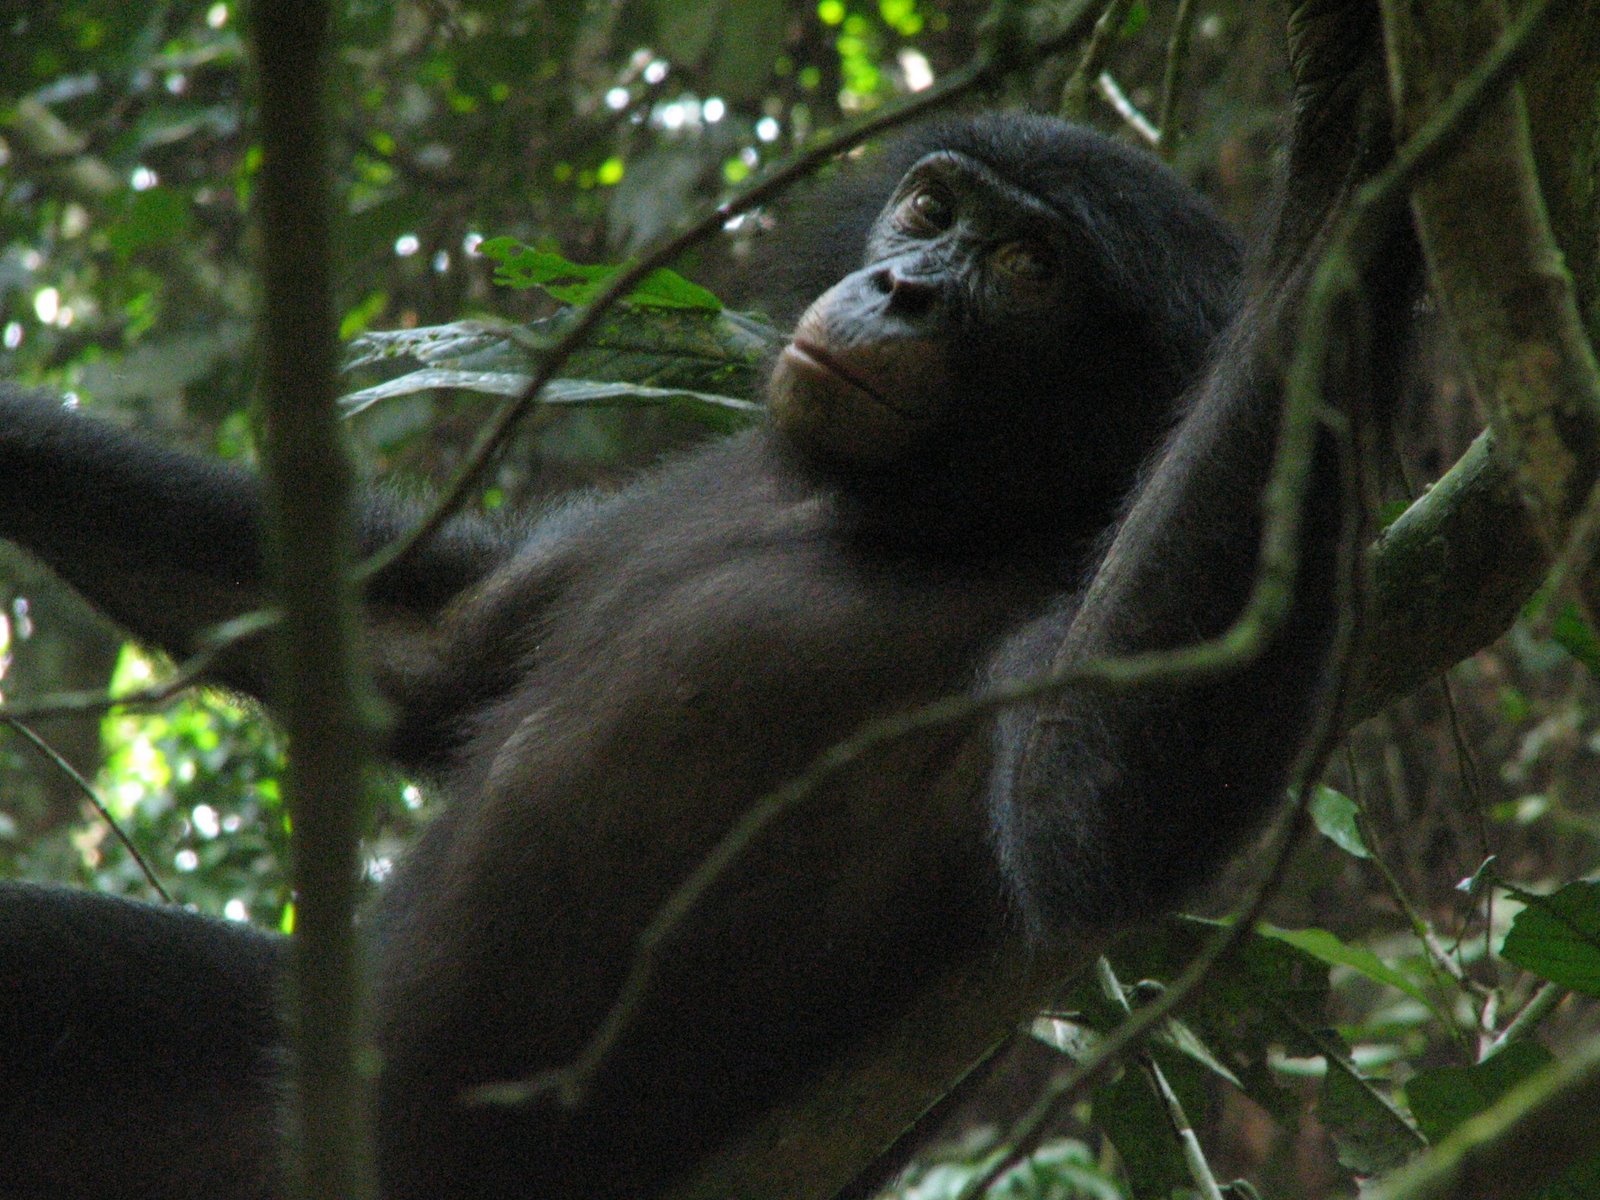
<point>927,210</point>
<point>1031,261</point>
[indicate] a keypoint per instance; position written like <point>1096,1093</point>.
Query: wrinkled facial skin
<point>965,274</point>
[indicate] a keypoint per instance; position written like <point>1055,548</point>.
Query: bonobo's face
<point>969,284</point>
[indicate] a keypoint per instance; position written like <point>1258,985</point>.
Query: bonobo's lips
<point>807,356</point>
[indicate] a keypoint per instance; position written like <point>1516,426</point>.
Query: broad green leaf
<point>667,289</point>
<point>1260,997</point>
<point>1186,1041</point>
<point>1337,820</point>
<point>1558,936</point>
<point>1130,1113</point>
<point>703,351</point>
<point>524,266</point>
<point>705,363</point>
<point>1444,1097</point>
<point>570,392</point>
<point>1328,947</point>
<point>1369,1131</point>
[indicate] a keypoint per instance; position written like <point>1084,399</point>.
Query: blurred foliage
<point>557,134</point>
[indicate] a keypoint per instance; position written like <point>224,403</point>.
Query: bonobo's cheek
<point>841,396</point>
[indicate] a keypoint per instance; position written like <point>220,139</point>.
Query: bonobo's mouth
<point>808,357</point>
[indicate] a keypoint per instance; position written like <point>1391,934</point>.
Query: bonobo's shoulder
<point>23,409</point>
<point>12,393</point>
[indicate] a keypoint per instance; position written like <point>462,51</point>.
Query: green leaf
<point>1371,1135</point>
<point>1444,1097</point>
<point>157,217</point>
<point>1558,936</point>
<point>706,363</point>
<point>1056,1171</point>
<point>1256,1000</point>
<point>523,267</point>
<point>1328,948</point>
<point>1337,819</point>
<point>576,393</point>
<point>667,289</point>
<point>1131,1114</point>
<point>1186,1041</point>
<point>1573,634</point>
<point>685,31</point>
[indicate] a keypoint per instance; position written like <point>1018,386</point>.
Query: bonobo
<point>603,691</point>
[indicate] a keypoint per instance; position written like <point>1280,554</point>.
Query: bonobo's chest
<point>737,625</point>
<point>776,607</point>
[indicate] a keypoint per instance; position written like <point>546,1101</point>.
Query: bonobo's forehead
<point>1070,169</point>
<point>985,208</point>
<point>971,180</point>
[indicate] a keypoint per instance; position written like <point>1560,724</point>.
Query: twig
<point>87,788</point>
<point>1172,82</point>
<point>1450,970</point>
<point>1127,109</point>
<point>1194,1156</point>
<point>1075,95</point>
<point>1027,1133</point>
<point>1469,780</point>
<point>216,642</point>
<point>1544,1002</point>
<point>1577,557</point>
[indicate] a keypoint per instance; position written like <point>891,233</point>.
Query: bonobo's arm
<point>138,1050</point>
<point>168,544</point>
<point>1107,806</point>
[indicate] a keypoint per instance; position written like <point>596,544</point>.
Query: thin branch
<point>1498,273</point>
<point>1519,1145</point>
<point>1026,1134</point>
<point>1172,83</point>
<point>1447,970</point>
<point>1468,765</point>
<point>308,482</point>
<point>1582,542</point>
<point>1324,735</point>
<point>87,788</point>
<point>1532,1014</point>
<point>191,672</point>
<point>1194,1157</point>
<point>1127,109</point>
<point>1075,95</point>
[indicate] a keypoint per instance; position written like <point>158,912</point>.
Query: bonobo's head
<point>1035,300</point>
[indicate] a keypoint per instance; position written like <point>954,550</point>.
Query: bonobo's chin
<point>828,414</point>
